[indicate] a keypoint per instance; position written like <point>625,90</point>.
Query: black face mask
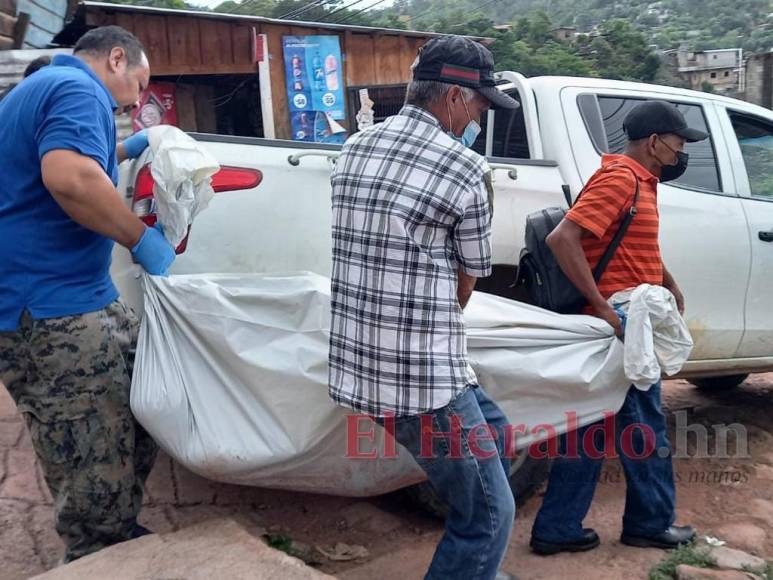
<point>671,172</point>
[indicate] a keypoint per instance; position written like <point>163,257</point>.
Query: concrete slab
<point>214,549</point>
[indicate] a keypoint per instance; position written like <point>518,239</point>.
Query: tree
<point>539,29</point>
<point>534,30</point>
<point>665,22</point>
<point>554,58</point>
<point>330,11</point>
<point>251,7</point>
<point>312,12</point>
<point>389,20</point>
<point>621,52</point>
<point>175,4</point>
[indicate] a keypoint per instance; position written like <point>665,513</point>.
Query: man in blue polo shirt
<point>66,340</point>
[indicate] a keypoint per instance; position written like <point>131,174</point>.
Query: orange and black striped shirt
<point>607,197</point>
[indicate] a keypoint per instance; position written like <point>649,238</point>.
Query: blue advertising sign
<point>315,88</point>
<point>313,73</point>
<point>317,127</point>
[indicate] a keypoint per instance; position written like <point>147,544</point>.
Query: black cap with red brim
<point>461,61</point>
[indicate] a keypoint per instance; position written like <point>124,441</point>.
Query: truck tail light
<point>227,179</point>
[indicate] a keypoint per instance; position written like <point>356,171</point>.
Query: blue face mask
<point>471,131</point>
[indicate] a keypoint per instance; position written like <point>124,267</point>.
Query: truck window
<point>510,139</point>
<point>388,99</point>
<point>608,113</point>
<point>755,137</point>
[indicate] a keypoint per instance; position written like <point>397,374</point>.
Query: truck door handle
<point>295,158</point>
<point>512,170</point>
<point>766,236</point>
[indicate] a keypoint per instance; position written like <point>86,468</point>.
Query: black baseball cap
<point>659,118</point>
<point>461,61</point>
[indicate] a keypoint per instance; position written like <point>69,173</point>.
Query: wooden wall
<point>46,19</point>
<point>179,44</point>
<point>13,26</point>
<point>369,60</point>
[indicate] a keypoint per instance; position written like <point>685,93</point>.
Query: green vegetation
<point>280,542</point>
<point>689,554</point>
<point>768,573</point>
<point>618,40</point>
<point>176,4</point>
<point>699,24</point>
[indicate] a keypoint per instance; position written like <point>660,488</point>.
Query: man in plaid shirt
<point>411,234</point>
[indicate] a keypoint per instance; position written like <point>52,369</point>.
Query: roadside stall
<point>258,77</point>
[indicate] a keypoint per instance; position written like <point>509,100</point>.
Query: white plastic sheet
<point>657,339</point>
<point>231,379</point>
<point>182,170</point>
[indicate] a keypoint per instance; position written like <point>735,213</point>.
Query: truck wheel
<point>526,476</point>
<point>719,383</point>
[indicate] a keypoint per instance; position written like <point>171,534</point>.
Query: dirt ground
<point>729,498</point>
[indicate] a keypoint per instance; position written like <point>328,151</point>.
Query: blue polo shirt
<point>49,264</point>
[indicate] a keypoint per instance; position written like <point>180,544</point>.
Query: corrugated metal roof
<point>89,5</point>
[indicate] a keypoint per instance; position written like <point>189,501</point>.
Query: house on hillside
<point>564,33</point>
<point>759,79</point>
<point>721,68</point>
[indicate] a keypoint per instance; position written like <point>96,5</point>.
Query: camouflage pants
<point>70,378</point>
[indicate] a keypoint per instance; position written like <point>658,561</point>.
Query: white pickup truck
<point>272,212</point>
<point>717,220</point>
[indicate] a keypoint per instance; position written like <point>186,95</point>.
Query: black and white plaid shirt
<point>410,208</point>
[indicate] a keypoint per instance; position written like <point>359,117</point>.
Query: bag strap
<point>598,271</point>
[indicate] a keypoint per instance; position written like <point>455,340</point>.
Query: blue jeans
<point>470,473</point>
<point>646,460</point>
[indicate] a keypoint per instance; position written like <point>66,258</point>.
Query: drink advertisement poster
<point>315,88</point>
<point>157,107</point>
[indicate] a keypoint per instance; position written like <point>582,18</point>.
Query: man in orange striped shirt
<point>657,134</point>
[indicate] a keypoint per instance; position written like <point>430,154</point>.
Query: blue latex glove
<point>153,252</point>
<point>136,144</point>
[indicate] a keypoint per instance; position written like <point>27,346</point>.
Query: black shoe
<point>589,540</point>
<point>138,531</point>
<point>673,537</point>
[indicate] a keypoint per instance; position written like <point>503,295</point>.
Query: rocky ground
<point>730,498</point>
